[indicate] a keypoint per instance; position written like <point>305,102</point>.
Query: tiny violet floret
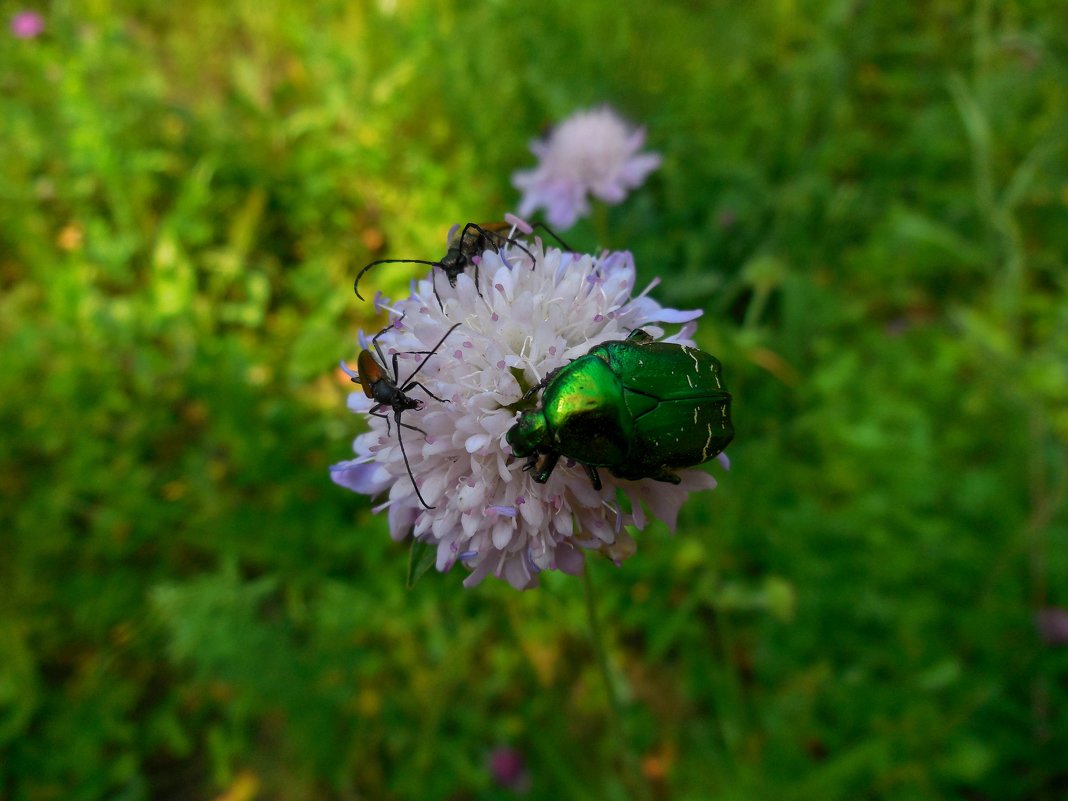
<point>457,484</point>
<point>592,152</point>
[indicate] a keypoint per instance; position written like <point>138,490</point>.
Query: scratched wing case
<point>675,396</point>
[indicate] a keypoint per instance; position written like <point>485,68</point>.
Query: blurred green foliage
<point>869,199</point>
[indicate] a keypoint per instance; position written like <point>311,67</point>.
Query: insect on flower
<point>638,407</point>
<point>465,249</point>
<point>389,392</point>
<point>491,516</point>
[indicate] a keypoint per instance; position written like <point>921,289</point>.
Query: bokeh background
<point>869,200</point>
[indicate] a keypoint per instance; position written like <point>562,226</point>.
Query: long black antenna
<point>407,464</point>
<point>356,283</point>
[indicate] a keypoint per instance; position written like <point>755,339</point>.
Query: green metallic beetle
<point>637,407</point>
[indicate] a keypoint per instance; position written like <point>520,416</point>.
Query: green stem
<point>631,768</point>
<point>600,224</point>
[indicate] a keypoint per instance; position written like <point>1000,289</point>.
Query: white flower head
<point>592,152</point>
<point>538,309</point>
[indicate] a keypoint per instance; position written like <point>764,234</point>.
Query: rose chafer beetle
<point>640,408</point>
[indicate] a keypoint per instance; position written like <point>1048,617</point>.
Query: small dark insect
<point>466,245</point>
<point>389,392</point>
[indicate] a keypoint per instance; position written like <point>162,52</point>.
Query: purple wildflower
<point>591,152</point>
<point>538,310</point>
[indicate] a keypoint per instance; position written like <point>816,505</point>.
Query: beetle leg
<point>504,240</point>
<point>482,234</point>
<point>595,479</point>
<point>375,410</point>
<point>378,348</point>
<point>411,384</point>
<point>532,390</point>
<point>547,468</point>
<point>552,233</point>
<point>477,288</point>
<point>413,428</point>
<point>516,243</point>
<point>434,286</point>
<point>541,384</point>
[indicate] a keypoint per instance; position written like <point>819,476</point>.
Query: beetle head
<point>529,434</point>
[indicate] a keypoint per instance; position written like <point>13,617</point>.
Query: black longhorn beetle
<point>465,248</point>
<point>389,392</point>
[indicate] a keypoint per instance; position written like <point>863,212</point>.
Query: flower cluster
<point>590,153</point>
<point>535,309</point>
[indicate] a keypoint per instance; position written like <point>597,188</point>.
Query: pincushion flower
<point>592,152</point>
<point>538,310</point>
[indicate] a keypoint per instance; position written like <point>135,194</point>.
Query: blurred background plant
<point>869,200</point>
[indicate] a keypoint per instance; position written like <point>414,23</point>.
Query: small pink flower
<point>27,25</point>
<point>592,152</point>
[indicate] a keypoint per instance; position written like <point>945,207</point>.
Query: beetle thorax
<point>387,393</point>
<point>454,263</point>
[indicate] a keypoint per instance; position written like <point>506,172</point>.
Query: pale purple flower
<point>592,152</point>
<point>539,309</point>
<point>27,25</point>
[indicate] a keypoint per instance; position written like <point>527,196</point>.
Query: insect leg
<point>374,410</point>
<point>477,288</point>
<point>547,468</point>
<point>595,479</point>
<point>541,384</point>
<point>468,227</point>
<point>378,348</point>
<point>502,240</point>
<point>520,245</point>
<point>411,384</point>
<point>434,286</point>
<point>495,240</point>
<point>552,233</point>
<point>412,428</point>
